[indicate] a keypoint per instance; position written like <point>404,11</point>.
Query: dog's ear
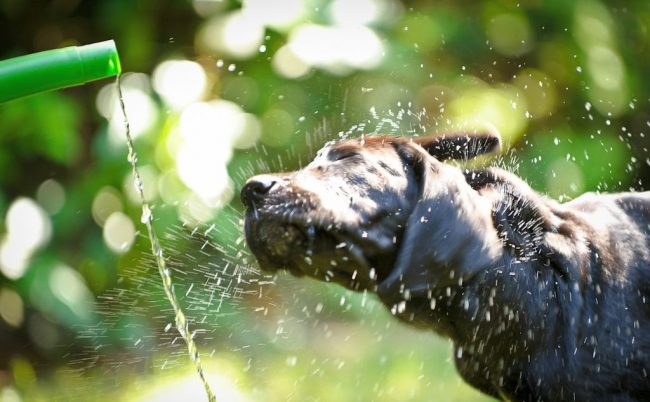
<point>448,237</point>
<point>461,146</point>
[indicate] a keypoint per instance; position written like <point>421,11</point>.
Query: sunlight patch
<point>179,82</point>
<point>28,228</point>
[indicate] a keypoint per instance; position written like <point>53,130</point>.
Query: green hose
<point>59,68</point>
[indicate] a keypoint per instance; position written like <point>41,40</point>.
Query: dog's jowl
<point>543,301</point>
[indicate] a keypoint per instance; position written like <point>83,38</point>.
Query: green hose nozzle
<point>59,68</point>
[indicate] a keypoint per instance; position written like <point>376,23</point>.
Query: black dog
<point>544,301</point>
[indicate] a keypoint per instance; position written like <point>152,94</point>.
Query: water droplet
<point>292,360</point>
<point>146,214</point>
<point>132,157</point>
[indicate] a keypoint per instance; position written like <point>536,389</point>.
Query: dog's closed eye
<point>345,155</point>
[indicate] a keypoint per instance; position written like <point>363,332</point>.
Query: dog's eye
<point>345,155</point>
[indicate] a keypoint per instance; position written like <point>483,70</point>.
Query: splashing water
<point>182,324</point>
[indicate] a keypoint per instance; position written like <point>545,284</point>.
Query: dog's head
<point>344,216</point>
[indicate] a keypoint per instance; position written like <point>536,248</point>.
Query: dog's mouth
<point>301,246</point>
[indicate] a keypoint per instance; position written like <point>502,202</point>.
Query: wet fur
<point>543,301</point>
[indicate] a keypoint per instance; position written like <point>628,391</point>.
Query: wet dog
<point>543,301</point>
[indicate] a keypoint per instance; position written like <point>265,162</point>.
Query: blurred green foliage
<point>84,316</point>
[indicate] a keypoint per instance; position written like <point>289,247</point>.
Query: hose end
<point>100,60</point>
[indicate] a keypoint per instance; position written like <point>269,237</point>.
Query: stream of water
<point>182,324</point>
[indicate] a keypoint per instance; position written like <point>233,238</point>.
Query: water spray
<point>77,65</point>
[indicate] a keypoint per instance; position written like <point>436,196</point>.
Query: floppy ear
<point>460,145</point>
<point>449,235</point>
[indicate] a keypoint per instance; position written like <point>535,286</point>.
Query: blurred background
<point>218,90</point>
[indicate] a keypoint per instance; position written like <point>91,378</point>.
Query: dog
<point>543,301</point>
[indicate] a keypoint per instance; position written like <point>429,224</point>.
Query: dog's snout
<point>256,189</point>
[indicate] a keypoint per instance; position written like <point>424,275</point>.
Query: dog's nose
<point>256,188</point>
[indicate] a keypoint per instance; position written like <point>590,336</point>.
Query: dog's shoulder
<point>635,206</point>
<point>621,222</point>
<point>621,216</point>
